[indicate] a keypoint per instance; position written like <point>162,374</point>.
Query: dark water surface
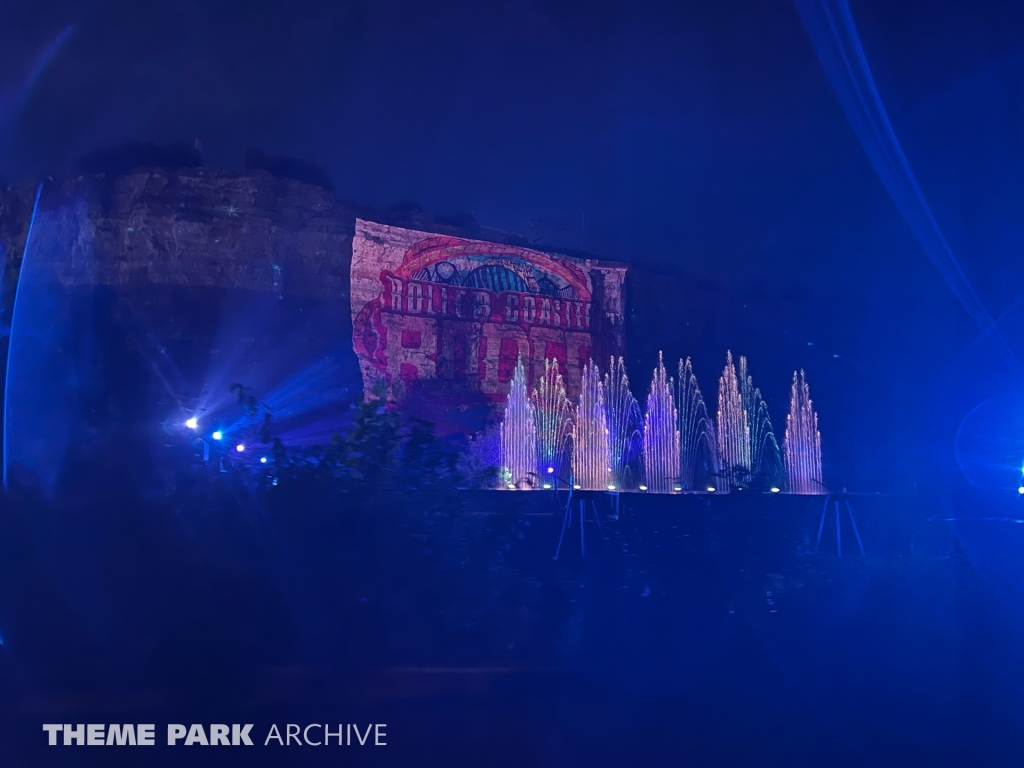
<point>695,631</point>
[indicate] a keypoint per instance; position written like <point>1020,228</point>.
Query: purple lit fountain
<point>606,443</point>
<point>697,450</point>
<point>552,413</point>
<point>765,460</point>
<point>733,429</point>
<point>591,458</point>
<point>625,427</point>
<point>518,435</point>
<point>802,443</point>
<point>661,437</point>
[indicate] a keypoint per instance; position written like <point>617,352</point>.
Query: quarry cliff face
<point>219,276</point>
<point>190,227</point>
<point>175,284</point>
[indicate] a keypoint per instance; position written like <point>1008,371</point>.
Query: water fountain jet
<point>553,418</point>
<point>802,442</point>
<point>732,429</point>
<point>591,457</point>
<point>661,437</point>
<point>625,427</point>
<point>518,435</point>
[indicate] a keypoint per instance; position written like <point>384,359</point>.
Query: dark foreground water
<point>694,631</point>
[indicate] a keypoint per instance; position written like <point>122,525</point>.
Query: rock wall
<point>212,265</point>
<point>428,307</point>
<point>195,227</point>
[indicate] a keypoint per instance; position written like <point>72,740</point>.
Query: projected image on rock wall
<point>427,306</point>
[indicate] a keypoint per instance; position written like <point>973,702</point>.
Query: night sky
<point>701,136</point>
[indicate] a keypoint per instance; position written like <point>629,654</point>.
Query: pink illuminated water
<point>591,458</point>
<point>732,428</point>
<point>661,436</point>
<point>802,443</point>
<point>765,459</point>
<point>552,414</point>
<point>698,455</point>
<point>625,427</point>
<point>518,435</point>
<point>604,442</point>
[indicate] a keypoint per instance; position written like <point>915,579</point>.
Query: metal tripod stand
<point>567,521</point>
<point>836,498</point>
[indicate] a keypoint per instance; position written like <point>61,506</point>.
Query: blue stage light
<point>218,435</point>
<point>775,489</point>
<point>192,422</point>
<point>551,470</point>
<point>239,447</point>
<point>1021,490</point>
<point>263,459</point>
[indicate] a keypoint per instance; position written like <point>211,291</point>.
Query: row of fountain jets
<point>605,442</point>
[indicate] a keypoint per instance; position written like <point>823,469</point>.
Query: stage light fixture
<point>711,489</point>
<point>547,486</point>
<point>775,490</point>
<point>263,459</point>
<point>551,470</point>
<point>678,487</point>
<point>611,487</point>
<point>239,447</point>
<point>218,435</point>
<point>192,422</point>
<point>578,487</point>
<point>1021,490</point>
<point>643,487</point>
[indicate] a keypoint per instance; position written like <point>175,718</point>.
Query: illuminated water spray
<point>625,427</point>
<point>732,429</point>
<point>552,414</point>
<point>661,436</point>
<point>696,443</point>
<point>591,458</point>
<point>605,442</point>
<point>802,443</point>
<point>765,459</point>
<point>518,434</point>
